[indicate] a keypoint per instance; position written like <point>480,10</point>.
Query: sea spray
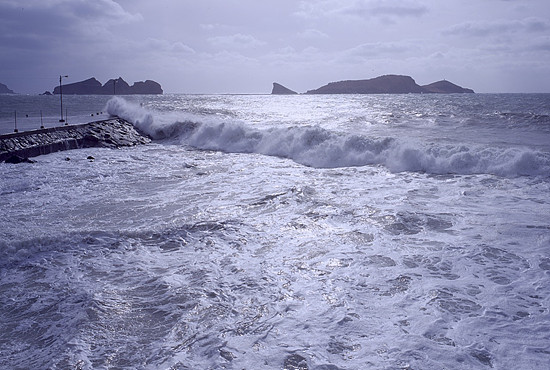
<point>317,147</point>
<point>166,256</point>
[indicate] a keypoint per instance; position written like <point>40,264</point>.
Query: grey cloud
<point>169,47</point>
<point>501,27</point>
<point>43,24</point>
<point>28,26</point>
<point>536,25</point>
<point>236,41</point>
<point>38,38</point>
<point>535,47</point>
<point>541,45</point>
<point>203,46</point>
<point>211,27</point>
<point>379,49</point>
<point>105,11</point>
<point>361,8</point>
<point>314,10</point>
<point>311,33</point>
<point>391,8</point>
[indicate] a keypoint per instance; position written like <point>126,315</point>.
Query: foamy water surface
<point>318,232</point>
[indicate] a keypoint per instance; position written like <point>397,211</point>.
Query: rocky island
<point>116,86</point>
<point>446,87</point>
<point>387,84</point>
<point>4,89</point>
<point>279,89</point>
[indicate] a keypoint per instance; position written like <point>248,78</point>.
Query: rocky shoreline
<point>110,133</point>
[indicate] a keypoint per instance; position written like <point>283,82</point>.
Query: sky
<point>243,46</point>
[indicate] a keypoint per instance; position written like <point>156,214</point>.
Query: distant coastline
<point>5,90</point>
<point>115,86</point>
<point>387,84</point>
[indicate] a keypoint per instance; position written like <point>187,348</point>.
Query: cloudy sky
<point>242,46</point>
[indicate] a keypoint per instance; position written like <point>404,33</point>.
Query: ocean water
<point>283,232</point>
<point>30,112</point>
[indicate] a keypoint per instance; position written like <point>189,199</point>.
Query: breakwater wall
<point>110,133</point>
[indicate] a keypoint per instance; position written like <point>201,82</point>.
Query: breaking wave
<point>320,148</point>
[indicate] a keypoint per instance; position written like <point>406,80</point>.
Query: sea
<point>318,232</point>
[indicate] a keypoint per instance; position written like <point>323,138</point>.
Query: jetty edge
<point>114,132</point>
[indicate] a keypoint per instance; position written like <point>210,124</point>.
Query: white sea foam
<point>321,148</point>
<point>164,256</point>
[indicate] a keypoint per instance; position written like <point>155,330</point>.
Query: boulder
<point>15,159</point>
<point>295,362</point>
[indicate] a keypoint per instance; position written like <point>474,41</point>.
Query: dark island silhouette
<point>5,90</point>
<point>387,84</point>
<point>446,87</point>
<point>279,89</point>
<point>116,86</point>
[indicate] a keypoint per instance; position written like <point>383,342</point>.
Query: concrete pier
<point>111,133</point>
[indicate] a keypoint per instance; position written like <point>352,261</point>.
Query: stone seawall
<point>111,133</point>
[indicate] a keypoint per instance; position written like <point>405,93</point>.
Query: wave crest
<point>320,148</point>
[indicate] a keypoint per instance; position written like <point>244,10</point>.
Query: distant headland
<point>279,89</point>
<point>116,86</point>
<point>387,84</point>
<point>4,89</point>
